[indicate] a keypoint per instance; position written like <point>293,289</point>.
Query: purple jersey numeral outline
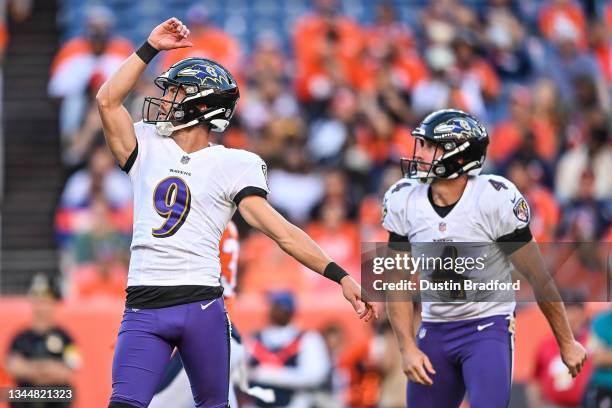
<point>172,201</point>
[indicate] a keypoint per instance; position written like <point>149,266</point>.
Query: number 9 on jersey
<point>172,201</point>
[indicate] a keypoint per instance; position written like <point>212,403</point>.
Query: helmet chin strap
<point>167,128</point>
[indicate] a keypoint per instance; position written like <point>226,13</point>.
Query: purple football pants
<point>470,355</point>
<point>199,330</point>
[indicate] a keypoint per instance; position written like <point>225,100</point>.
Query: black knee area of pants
<point>120,405</point>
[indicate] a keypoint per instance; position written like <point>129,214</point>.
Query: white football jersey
<point>490,208</point>
<point>182,204</point>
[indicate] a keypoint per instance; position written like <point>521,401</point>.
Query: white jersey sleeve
<point>505,210</point>
<point>246,175</point>
<point>394,208</point>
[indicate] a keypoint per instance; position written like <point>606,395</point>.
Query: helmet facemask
<point>444,164</point>
<point>178,110</point>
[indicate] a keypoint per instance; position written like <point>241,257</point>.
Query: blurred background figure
<point>554,386</point>
<point>287,359</point>
<point>43,355</point>
<point>542,203</point>
<point>385,356</point>
<point>332,393</point>
<point>599,393</point>
<point>83,64</point>
<point>208,42</point>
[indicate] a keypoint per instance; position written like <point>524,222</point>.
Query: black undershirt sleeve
<point>130,161</point>
<point>515,240</point>
<point>249,191</point>
<point>398,242</point>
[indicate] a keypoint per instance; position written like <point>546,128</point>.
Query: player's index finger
<point>423,375</point>
<point>429,366</point>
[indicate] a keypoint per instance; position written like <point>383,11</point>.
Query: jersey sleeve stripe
<point>250,191</point>
<point>130,161</point>
<point>515,240</point>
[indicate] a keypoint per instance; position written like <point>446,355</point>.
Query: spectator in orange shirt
<point>544,209</point>
<point>338,237</point>
<point>563,15</point>
<point>471,67</point>
<point>390,50</point>
<point>83,64</point>
<point>523,132</point>
<point>229,249</point>
<point>208,42</point>
<point>327,45</point>
<point>264,267</point>
<point>388,35</point>
<point>100,255</point>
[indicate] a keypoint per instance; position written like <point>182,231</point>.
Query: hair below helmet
<point>195,91</point>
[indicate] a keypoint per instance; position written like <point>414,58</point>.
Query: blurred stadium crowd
<point>332,115</point>
<point>328,99</point>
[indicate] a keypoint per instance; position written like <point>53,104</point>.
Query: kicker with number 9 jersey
<point>182,204</point>
<point>490,210</point>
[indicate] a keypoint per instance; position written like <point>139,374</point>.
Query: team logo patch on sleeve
<point>521,210</point>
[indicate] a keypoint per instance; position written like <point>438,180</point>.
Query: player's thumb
<point>428,365</point>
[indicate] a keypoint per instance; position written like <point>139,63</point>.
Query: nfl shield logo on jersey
<point>442,226</point>
<point>185,159</point>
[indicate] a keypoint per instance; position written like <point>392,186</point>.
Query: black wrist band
<point>147,52</point>
<point>334,272</point>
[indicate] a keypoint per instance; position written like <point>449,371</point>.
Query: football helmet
<point>209,97</point>
<point>460,142</point>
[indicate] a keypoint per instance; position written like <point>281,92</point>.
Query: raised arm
<point>259,214</point>
<point>116,121</point>
<point>528,261</point>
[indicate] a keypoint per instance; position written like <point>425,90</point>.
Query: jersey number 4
<point>498,185</point>
<point>172,201</point>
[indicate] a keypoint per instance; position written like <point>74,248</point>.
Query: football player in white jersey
<point>443,202</point>
<point>185,192</point>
